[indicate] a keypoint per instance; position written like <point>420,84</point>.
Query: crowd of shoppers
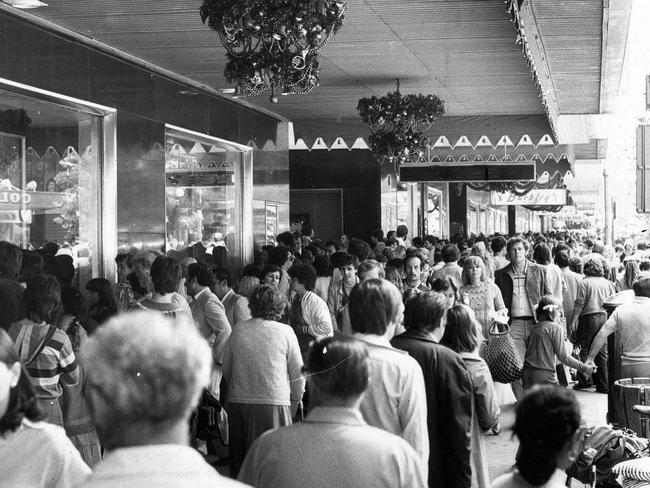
<point>363,359</point>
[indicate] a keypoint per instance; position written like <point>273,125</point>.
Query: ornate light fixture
<point>397,123</point>
<point>273,44</point>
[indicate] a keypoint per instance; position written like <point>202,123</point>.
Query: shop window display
<point>48,164</point>
<point>203,193</point>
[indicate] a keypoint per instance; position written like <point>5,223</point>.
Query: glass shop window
<point>49,163</point>
<point>204,178</point>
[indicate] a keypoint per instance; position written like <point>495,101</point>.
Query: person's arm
<point>601,338</point>
<point>332,292</point>
<point>318,318</point>
<point>455,391</point>
<point>487,406</point>
<point>499,304</point>
<point>68,367</point>
<point>216,319</point>
<point>581,299</point>
<point>226,366</point>
<point>557,341</point>
<point>412,413</point>
<point>242,311</point>
<point>294,368</point>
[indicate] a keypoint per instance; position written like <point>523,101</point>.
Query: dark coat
<point>536,284</point>
<point>449,401</point>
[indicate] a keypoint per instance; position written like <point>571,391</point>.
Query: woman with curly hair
<point>32,452</point>
<point>263,367</point>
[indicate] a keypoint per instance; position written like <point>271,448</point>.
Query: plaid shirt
<point>56,363</point>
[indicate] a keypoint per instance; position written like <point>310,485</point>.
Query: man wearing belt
<point>522,284</point>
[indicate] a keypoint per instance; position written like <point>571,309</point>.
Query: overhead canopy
<point>477,139</point>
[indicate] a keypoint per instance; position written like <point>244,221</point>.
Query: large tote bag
<point>501,354</point>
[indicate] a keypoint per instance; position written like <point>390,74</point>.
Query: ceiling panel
<point>571,33</point>
<point>462,50</point>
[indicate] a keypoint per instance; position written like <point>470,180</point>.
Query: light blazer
<point>236,308</point>
<point>210,316</point>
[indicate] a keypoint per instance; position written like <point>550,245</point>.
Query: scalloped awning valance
<point>455,141</point>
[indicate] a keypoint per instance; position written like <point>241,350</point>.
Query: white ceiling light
<point>25,4</point>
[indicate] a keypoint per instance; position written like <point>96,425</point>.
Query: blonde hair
<point>469,260</point>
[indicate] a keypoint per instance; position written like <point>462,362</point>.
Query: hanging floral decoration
<point>273,44</point>
<point>520,187</point>
<point>397,123</point>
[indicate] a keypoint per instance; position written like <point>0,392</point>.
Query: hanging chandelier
<point>273,44</point>
<point>397,123</point>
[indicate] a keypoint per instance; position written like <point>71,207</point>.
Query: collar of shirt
<point>230,292</point>
<point>375,340</point>
<point>523,272</point>
<point>169,458</point>
<point>335,415</point>
<point>201,293</point>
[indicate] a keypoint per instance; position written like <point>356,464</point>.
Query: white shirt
<point>333,447</point>
<point>396,400</point>
<point>316,314</point>
<point>157,466</point>
<point>633,321</point>
<point>40,455</point>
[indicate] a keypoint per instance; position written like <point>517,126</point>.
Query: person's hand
<point>590,367</point>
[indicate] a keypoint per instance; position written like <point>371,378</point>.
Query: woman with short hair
<point>45,351</point>
<point>32,452</point>
<point>262,365</point>
<point>165,277</point>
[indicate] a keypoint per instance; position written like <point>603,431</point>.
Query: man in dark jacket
<point>11,293</point>
<point>522,284</point>
<point>448,386</point>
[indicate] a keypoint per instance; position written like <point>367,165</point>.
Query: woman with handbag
<point>45,351</point>
<point>546,347</point>
<point>262,365</point>
<point>480,293</point>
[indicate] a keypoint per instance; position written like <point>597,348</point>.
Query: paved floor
<point>501,449</point>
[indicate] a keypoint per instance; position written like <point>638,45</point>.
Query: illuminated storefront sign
<point>534,197</point>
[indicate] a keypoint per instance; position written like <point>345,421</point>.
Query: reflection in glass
<point>48,164</point>
<point>203,189</point>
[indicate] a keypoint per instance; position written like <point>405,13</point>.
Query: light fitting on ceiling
<point>273,45</point>
<point>25,4</point>
<point>397,123</point>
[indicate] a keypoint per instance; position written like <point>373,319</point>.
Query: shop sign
<point>16,217</point>
<point>534,197</point>
<point>16,197</point>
